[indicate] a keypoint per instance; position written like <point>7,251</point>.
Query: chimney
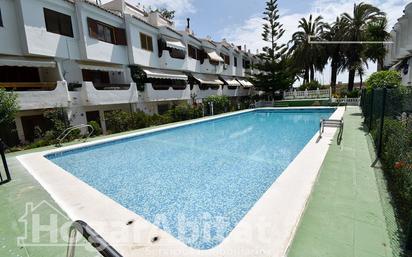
<point>188,23</point>
<point>244,49</point>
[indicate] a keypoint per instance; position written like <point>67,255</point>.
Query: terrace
<point>349,205</point>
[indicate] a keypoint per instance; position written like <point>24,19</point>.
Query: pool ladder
<point>103,247</point>
<point>69,130</point>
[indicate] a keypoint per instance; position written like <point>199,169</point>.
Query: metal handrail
<point>67,132</point>
<point>103,247</point>
<point>6,168</point>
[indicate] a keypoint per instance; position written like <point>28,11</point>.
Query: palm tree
<point>307,56</point>
<point>377,31</point>
<point>335,51</point>
<point>356,28</point>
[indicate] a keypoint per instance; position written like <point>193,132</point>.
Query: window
<point>226,58</point>
<point>1,20</point>
<point>196,53</point>
<point>106,33</point>
<point>165,84</point>
<point>192,52</point>
<point>58,23</point>
<point>246,64</point>
<point>235,62</point>
<point>146,42</point>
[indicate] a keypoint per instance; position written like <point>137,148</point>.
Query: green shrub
<point>397,163</point>
<point>184,112</point>
<point>387,78</point>
<point>138,120</point>
<point>97,130</point>
<point>312,85</point>
<point>220,103</point>
<point>117,121</point>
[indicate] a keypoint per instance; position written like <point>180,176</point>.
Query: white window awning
<point>208,79</point>
<point>396,66</point>
<point>164,74</point>
<point>231,81</point>
<point>245,83</point>
<point>215,57</point>
<point>100,66</point>
<point>26,62</point>
<point>175,44</point>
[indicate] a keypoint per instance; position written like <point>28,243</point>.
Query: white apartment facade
<point>84,57</point>
<point>399,49</point>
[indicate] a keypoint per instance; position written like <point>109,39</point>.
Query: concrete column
<point>20,131</point>
<point>103,122</point>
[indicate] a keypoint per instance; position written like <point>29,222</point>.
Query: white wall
<point>41,42</point>
<point>10,42</point>
<point>138,55</point>
<point>93,49</point>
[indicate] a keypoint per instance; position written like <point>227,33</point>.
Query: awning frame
<point>26,62</point>
<point>214,56</point>
<point>208,79</point>
<point>163,74</point>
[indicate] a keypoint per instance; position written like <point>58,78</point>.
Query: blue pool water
<point>198,181</point>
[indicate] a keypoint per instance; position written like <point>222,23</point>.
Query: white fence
<point>307,94</point>
<point>347,101</point>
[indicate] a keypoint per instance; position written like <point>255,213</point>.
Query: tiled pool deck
<point>347,214</point>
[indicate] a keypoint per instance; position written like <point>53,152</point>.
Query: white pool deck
<point>266,230</point>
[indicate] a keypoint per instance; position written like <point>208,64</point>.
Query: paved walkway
<point>348,212</point>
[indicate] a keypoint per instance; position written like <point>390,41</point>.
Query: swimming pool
<point>197,181</point>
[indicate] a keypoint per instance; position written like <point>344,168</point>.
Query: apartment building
<point>399,47</point>
<point>91,58</point>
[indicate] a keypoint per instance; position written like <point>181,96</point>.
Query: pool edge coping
<point>30,157</point>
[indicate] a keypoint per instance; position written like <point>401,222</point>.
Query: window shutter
<point>150,43</point>
<point>92,28</point>
<point>120,35</point>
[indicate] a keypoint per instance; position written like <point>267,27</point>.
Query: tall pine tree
<point>275,73</point>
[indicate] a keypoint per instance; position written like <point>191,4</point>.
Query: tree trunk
<point>361,81</point>
<point>351,79</point>
<point>380,64</point>
<point>312,73</point>
<point>333,76</point>
<point>306,76</point>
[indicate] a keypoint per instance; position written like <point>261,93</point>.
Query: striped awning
<point>164,74</point>
<point>86,65</point>
<point>208,79</point>
<point>26,62</point>
<point>245,83</point>
<point>214,56</point>
<point>231,81</point>
<point>175,44</point>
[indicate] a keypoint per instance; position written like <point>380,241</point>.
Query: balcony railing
<point>167,94</point>
<point>167,62</point>
<point>231,92</point>
<point>108,94</point>
<point>200,94</point>
<point>307,94</point>
<point>41,95</point>
<point>207,67</point>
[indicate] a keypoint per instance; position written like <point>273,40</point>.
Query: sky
<point>240,21</point>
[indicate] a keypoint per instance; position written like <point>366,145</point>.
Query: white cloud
<point>249,32</point>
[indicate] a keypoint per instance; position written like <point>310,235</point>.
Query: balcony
<point>108,94</point>
<point>165,94</point>
<point>230,91</point>
<point>40,95</point>
<point>167,62</point>
<point>207,67</point>
<point>203,93</point>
